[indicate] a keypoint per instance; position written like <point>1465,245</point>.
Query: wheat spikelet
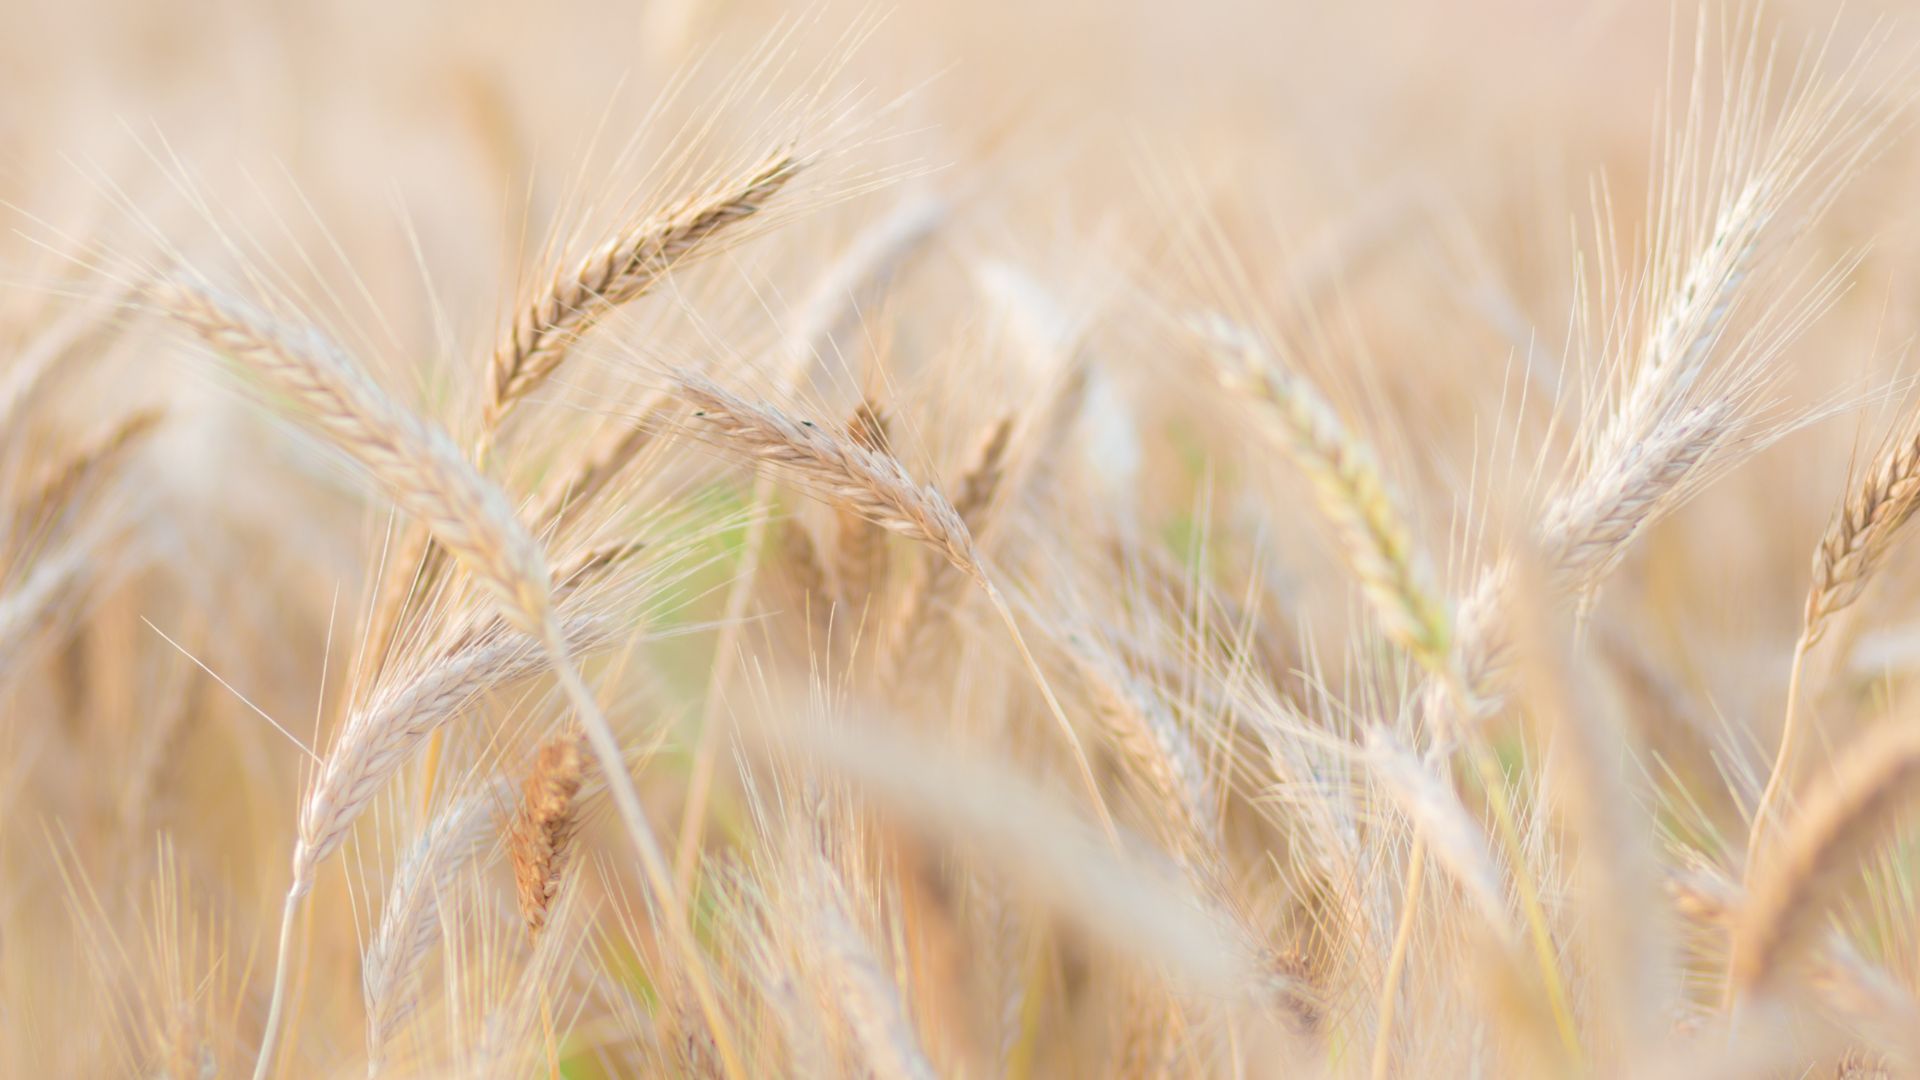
<point>1587,531</point>
<point>1155,748</point>
<point>859,988</point>
<point>1872,784</point>
<point>858,556</point>
<point>853,478</point>
<point>1864,528</point>
<point>541,838</point>
<point>622,269</point>
<point>573,493</point>
<point>1349,490</point>
<point>386,733</point>
<point>50,503</point>
<point>410,920</point>
<point>981,481</point>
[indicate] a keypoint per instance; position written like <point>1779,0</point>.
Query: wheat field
<point>708,538</point>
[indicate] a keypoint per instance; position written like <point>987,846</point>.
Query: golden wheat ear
<point>541,839</point>
<point>417,465</point>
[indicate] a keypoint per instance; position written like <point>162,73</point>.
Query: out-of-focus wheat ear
<point>1630,986</point>
<point>568,498</point>
<point>623,268</point>
<point>541,840</point>
<point>1451,834</point>
<point>50,505</point>
<point>85,330</point>
<point>976,493</point>
<point>860,553</point>
<point>1870,518</point>
<point>406,567</point>
<point>859,987</point>
<point>1149,1020</point>
<point>854,479</point>
<point>860,276</point>
<point>1156,750</point>
<point>981,483</point>
<point>1348,488</point>
<point>800,561</point>
<point>1841,820</point>
<point>1846,981</point>
<point>410,920</point>
<point>32,607</point>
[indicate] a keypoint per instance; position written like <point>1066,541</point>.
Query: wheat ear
<point>858,555</point>
<point>878,488</point>
<point>420,469</point>
<point>541,840</point>
<point>410,921</point>
<point>1862,531</point>
<point>625,267</point>
<point>1348,488</point>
